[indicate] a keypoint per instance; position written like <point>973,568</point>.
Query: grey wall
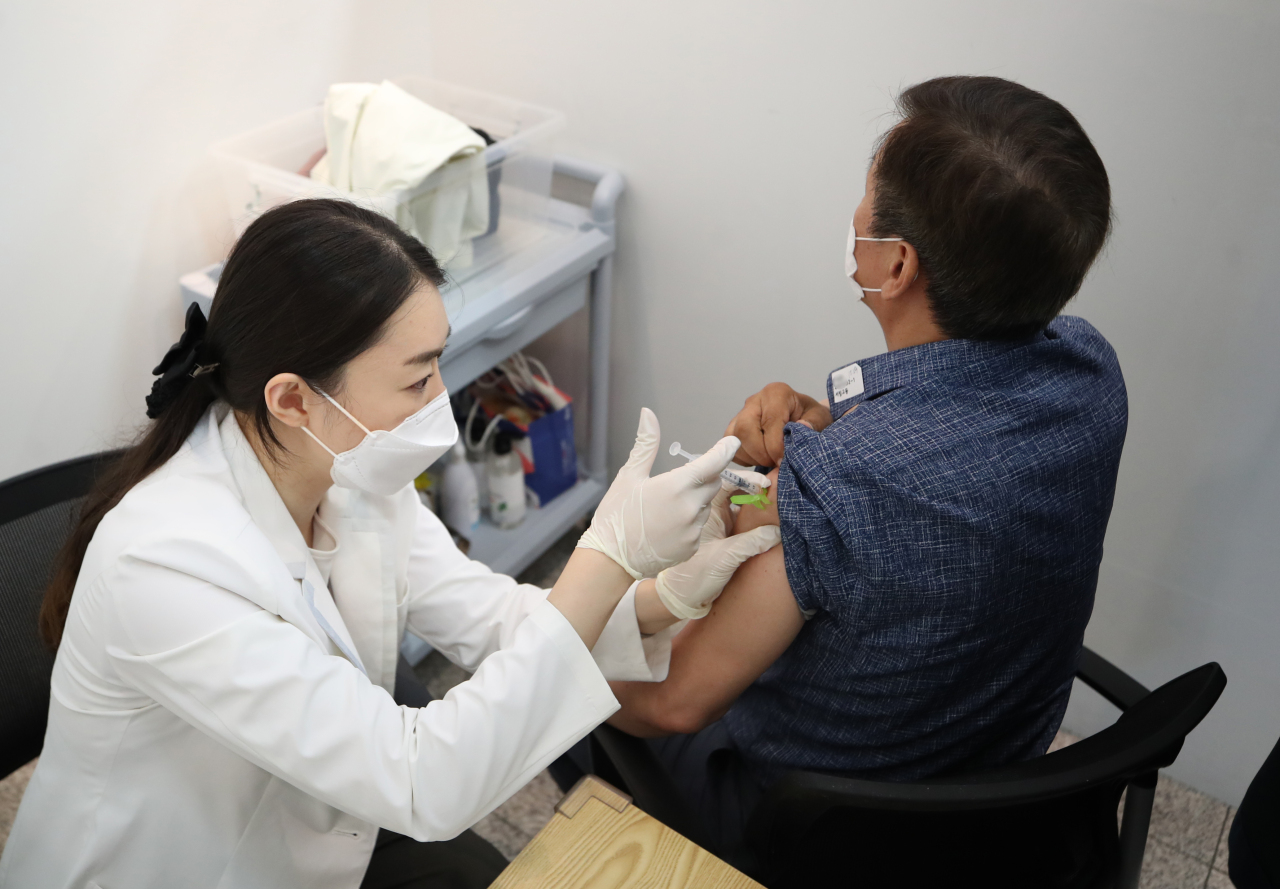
<point>109,110</point>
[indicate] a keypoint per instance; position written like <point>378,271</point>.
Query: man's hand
<point>759,424</point>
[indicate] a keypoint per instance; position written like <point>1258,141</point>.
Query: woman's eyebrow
<point>431,354</point>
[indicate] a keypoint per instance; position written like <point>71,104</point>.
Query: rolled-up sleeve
<point>811,544</point>
<point>623,653</point>
<point>467,611</point>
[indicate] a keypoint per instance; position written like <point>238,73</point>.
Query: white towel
<point>381,139</point>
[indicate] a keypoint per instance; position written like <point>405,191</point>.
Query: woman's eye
<point>422,383</point>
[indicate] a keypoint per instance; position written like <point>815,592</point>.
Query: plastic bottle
<point>506,484</point>
<point>478,459</point>
<point>459,492</point>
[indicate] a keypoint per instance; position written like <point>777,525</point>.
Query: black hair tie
<point>180,364</point>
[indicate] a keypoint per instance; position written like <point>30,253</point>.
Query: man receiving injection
<point>943,511</point>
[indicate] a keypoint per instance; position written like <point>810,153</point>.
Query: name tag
<point>846,382</point>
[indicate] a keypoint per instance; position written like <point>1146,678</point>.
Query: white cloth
<point>205,731</point>
<point>380,139</point>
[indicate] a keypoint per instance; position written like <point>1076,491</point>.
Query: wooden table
<point>598,840</point>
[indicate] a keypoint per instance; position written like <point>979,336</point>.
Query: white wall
<point>109,109</point>
<point>743,129</point>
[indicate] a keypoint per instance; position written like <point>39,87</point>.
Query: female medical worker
<point>231,604</point>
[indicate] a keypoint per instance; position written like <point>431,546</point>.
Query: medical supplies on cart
<point>515,399</point>
<point>518,440</point>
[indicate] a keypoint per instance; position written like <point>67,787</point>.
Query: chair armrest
<point>1110,681</point>
<point>651,786</point>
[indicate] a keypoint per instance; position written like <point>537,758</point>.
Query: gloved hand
<point>722,515</point>
<point>648,524</point>
<point>687,590</point>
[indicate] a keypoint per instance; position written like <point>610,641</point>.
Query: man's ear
<point>287,397</point>
<point>904,270</point>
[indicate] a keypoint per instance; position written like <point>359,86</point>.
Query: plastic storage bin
<point>259,169</point>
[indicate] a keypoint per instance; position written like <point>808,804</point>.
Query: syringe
<point>728,475</point>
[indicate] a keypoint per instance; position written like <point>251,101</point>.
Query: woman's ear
<point>286,396</point>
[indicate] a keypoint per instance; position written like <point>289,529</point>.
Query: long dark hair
<point>308,287</point>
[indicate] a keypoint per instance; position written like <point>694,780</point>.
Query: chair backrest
<point>36,515</point>
<point>1049,821</point>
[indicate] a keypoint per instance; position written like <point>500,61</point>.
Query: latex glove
<point>687,590</point>
<point>648,524</point>
<point>722,515</point>
<point>723,511</point>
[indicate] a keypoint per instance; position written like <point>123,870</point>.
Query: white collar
<point>272,517</point>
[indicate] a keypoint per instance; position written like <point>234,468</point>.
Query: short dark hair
<point>1002,195</point>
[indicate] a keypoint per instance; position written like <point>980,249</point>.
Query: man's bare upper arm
<point>714,659</point>
<point>749,628</point>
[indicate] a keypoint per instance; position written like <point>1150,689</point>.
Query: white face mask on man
<point>851,261</point>
<point>385,461</point>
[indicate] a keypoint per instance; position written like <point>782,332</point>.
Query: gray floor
<point>1187,848</point>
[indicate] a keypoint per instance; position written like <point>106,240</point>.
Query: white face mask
<point>851,262</point>
<point>386,461</point>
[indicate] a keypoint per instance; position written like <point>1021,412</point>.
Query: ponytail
<point>160,442</point>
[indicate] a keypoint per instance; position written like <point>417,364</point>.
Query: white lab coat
<point>205,730</point>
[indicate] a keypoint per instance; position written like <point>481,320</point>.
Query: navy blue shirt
<point>945,534</point>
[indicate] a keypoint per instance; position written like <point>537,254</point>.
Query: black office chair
<point>1254,843</point>
<point>37,511</point>
<point>1046,822</point>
